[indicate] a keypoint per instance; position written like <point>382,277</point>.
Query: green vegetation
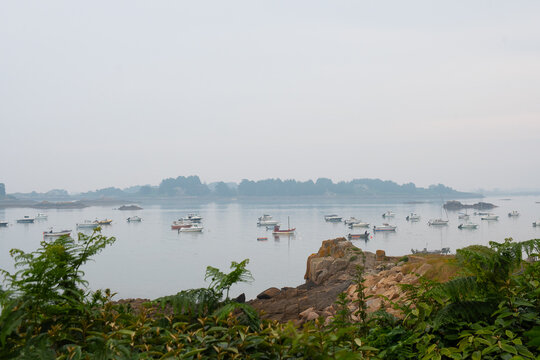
<point>490,311</point>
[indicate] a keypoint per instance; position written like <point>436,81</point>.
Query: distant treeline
<point>193,187</point>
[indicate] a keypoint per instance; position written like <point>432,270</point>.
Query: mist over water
<point>149,259</point>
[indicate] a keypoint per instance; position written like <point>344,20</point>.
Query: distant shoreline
<point>83,203</point>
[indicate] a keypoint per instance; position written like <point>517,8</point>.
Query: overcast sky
<point>118,93</point>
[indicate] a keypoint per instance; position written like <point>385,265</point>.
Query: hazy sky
<point>119,93</point>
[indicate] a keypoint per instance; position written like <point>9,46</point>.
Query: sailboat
<point>439,221</point>
<point>288,231</point>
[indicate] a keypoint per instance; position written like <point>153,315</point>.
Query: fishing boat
<point>192,228</point>
<point>437,222</point>
<point>41,216</point>
<point>490,217</point>
<point>134,219</point>
<point>288,231</point>
<point>384,227</point>
<point>413,217</point>
<point>388,214</point>
<point>468,225</point>
<point>26,220</point>
<point>513,213</point>
<point>359,224</point>
<point>181,224</point>
<point>104,222</point>
<point>87,224</point>
<point>364,236</point>
<point>481,213</point>
<point>3,223</point>
<point>266,220</point>
<point>333,218</point>
<point>262,238</point>
<point>55,234</point>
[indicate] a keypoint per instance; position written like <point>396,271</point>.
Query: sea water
<point>149,259</point>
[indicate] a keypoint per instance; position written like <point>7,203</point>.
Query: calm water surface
<point>149,259</point>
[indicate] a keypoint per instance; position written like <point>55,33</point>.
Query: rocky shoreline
<point>332,271</point>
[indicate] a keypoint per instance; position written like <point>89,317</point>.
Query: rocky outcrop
<point>332,271</point>
<point>329,272</point>
<point>456,205</point>
<point>130,207</point>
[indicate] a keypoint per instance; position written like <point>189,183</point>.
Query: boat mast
<point>288,223</point>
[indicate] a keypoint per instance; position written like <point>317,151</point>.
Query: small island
<point>130,207</point>
<point>457,205</point>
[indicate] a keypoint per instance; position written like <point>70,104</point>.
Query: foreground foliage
<point>491,311</point>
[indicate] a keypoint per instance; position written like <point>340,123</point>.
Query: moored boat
<point>87,224</point>
<point>490,217</point>
<point>359,224</point>
<point>332,218</point>
<point>468,225</point>
<point>536,223</point>
<point>384,227</point>
<point>3,223</point>
<point>104,222</point>
<point>134,219</point>
<point>55,234</point>
<point>513,213</point>
<point>463,216</point>
<point>193,218</point>
<point>192,228</point>
<point>364,236</point>
<point>288,231</point>
<point>388,214</point>
<point>266,220</point>
<point>41,216</point>
<point>437,222</point>
<point>351,220</point>
<point>181,224</point>
<point>26,220</point>
<point>413,217</point>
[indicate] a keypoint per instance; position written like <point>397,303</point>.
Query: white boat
<point>192,228</point>
<point>384,227</point>
<point>468,225</point>
<point>481,213</point>
<point>3,223</point>
<point>413,217</point>
<point>41,216</point>
<point>437,222</point>
<point>332,218</point>
<point>87,224</point>
<point>536,223</point>
<point>55,234</point>
<point>490,217</point>
<point>388,214</point>
<point>351,220</point>
<point>26,220</point>
<point>463,216</point>
<point>513,213</point>
<point>134,219</point>
<point>266,220</point>
<point>359,224</point>
<point>193,217</point>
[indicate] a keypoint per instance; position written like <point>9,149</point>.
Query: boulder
<point>268,293</point>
